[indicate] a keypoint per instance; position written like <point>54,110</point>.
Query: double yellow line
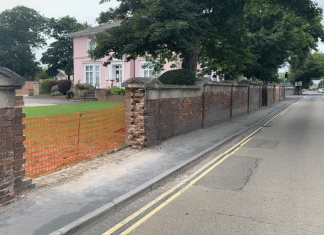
<point>202,171</point>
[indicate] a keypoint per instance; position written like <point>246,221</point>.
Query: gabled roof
<point>94,30</point>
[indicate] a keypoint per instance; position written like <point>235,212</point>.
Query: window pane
<point>97,79</point>
<point>92,45</point>
<point>91,78</point>
<point>87,77</point>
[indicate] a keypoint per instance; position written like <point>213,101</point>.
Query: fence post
<point>79,131</point>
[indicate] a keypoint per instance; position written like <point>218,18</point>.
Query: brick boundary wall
<point>104,94</point>
<point>156,112</point>
<point>217,102</point>
<point>100,94</point>
<point>24,90</point>
<point>172,117</point>
<point>12,173</point>
<point>240,100</point>
<point>276,94</point>
<point>255,97</point>
<point>282,93</point>
<point>268,95</point>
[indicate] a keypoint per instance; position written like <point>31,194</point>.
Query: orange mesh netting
<point>54,142</point>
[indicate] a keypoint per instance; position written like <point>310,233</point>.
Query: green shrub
<point>56,93</point>
<point>84,86</point>
<point>44,86</point>
<point>64,86</point>
<point>178,77</point>
<point>117,91</point>
<point>50,85</point>
<point>54,89</point>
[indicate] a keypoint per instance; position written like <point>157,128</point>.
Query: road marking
<point>280,114</point>
<point>149,205</point>
<point>219,159</point>
<point>142,220</point>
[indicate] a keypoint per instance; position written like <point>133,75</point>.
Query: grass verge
<point>39,111</point>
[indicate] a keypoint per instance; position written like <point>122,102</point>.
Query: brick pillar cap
<point>10,79</point>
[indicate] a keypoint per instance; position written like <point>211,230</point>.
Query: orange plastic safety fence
<point>54,142</point>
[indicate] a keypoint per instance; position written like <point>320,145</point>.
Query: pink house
<point>93,72</point>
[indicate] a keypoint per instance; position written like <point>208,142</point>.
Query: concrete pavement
<point>67,207</point>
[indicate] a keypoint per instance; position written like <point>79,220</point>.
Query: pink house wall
<point>80,52</point>
<point>130,69</point>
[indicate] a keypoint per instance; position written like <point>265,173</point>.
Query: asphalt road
<point>45,100</point>
<point>269,183</point>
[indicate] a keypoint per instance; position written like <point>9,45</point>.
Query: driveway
<point>46,100</point>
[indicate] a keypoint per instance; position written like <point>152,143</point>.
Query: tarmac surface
<point>46,100</point>
<point>72,205</point>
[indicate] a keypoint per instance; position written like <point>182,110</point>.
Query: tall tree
<point>279,35</point>
<point>21,31</point>
<point>312,69</point>
<point>59,55</point>
<point>164,28</point>
<point>194,30</point>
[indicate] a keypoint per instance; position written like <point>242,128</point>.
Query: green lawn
<point>38,111</point>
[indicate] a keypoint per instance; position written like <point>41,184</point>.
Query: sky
<point>82,10</point>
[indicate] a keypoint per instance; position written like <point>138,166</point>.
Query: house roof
<point>94,30</point>
<point>60,73</point>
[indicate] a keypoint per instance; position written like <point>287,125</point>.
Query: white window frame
<point>95,82</point>
<point>91,45</point>
<point>148,69</point>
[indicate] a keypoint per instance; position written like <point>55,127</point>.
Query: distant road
<point>45,101</point>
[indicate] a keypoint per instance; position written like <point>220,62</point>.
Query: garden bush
<point>44,86</point>
<point>178,77</point>
<point>84,86</point>
<point>50,85</point>
<point>56,93</point>
<point>54,89</point>
<point>117,91</point>
<point>64,86</point>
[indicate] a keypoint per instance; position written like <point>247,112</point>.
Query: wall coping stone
<point>9,82</point>
<point>155,84</point>
<point>10,79</point>
<point>140,82</point>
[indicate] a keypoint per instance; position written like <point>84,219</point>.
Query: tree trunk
<point>190,58</point>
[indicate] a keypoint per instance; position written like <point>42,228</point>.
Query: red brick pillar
<point>12,174</point>
<point>135,112</point>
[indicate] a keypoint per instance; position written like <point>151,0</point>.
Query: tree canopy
<point>312,69</point>
<point>59,55</point>
<point>164,28</point>
<point>278,36</point>
<point>250,37</point>
<point>22,30</point>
